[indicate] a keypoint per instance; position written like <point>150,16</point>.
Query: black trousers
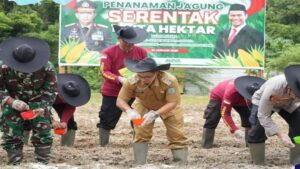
<point>109,112</point>
<point>212,114</point>
<point>257,133</point>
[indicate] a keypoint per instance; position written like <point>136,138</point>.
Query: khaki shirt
<point>163,90</point>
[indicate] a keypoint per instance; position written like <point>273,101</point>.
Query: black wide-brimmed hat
<point>130,34</point>
<point>292,76</point>
<point>25,54</point>
<point>73,89</point>
<point>145,65</point>
<point>247,85</point>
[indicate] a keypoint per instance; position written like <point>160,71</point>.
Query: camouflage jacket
<point>37,89</point>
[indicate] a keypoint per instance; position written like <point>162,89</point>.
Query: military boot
<point>257,151</point>
<point>42,154</point>
<point>207,138</point>
<point>68,138</point>
<point>26,135</point>
<point>103,137</point>
<point>180,156</point>
<point>15,156</point>
<point>295,154</point>
<point>140,151</point>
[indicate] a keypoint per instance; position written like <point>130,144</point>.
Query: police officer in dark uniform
<point>96,36</point>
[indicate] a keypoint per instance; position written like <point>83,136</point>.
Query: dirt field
<point>227,153</point>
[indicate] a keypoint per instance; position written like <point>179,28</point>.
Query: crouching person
<point>157,95</point>
<point>27,83</point>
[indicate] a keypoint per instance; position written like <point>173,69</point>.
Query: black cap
<point>86,4</point>
<point>237,7</point>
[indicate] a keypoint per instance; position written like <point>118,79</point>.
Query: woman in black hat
<point>278,94</point>
<point>157,95</point>
<point>27,82</point>
<point>111,64</point>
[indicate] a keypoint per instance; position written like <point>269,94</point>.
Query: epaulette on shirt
<point>133,79</point>
<point>103,26</point>
<point>167,78</point>
<point>71,24</point>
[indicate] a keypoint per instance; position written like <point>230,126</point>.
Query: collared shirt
<point>111,62</point>
<point>163,90</point>
<point>237,29</point>
<point>37,89</point>
<point>265,99</point>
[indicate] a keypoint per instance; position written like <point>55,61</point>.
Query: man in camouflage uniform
<point>157,95</point>
<point>27,82</point>
<point>96,36</point>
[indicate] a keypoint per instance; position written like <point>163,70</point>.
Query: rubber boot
<point>15,157</point>
<point>208,138</point>
<point>257,151</point>
<point>104,137</point>
<point>68,138</point>
<point>26,134</point>
<point>140,151</point>
<point>42,154</point>
<point>246,135</point>
<point>295,154</point>
<point>180,156</point>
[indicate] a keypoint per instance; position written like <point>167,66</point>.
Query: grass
<point>185,99</point>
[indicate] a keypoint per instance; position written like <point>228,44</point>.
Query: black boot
<point>42,154</point>
<point>104,137</point>
<point>207,138</point>
<point>15,157</point>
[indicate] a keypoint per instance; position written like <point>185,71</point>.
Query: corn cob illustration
<point>247,59</point>
<point>257,55</point>
<point>64,50</point>
<point>75,53</point>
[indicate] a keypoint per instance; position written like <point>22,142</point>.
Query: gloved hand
<point>58,125</point>
<point>19,105</point>
<point>239,134</point>
<point>285,139</point>
<point>149,117</point>
<point>133,114</point>
<point>121,79</point>
<point>37,112</point>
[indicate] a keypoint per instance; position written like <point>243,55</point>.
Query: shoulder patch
<point>167,78</point>
<point>71,24</point>
<point>133,80</point>
<point>103,26</point>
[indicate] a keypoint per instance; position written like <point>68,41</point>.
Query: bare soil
<point>227,153</point>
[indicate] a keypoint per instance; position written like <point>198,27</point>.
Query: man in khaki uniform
<point>157,95</point>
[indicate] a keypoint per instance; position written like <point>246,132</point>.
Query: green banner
<point>185,33</point>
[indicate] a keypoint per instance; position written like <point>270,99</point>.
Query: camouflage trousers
<point>12,127</point>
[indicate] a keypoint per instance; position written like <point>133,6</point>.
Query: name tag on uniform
<point>98,36</point>
<point>171,90</point>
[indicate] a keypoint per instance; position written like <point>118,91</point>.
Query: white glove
<point>287,142</point>
<point>133,114</point>
<point>149,117</point>
<point>239,134</point>
<point>121,79</point>
<point>19,105</point>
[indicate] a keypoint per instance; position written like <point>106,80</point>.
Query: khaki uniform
<point>164,89</point>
